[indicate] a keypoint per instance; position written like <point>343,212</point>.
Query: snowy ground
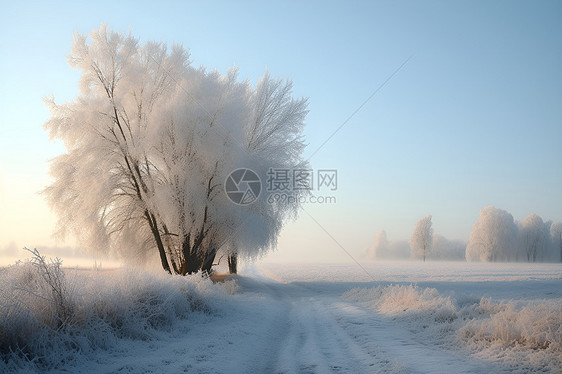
<point>402,317</point>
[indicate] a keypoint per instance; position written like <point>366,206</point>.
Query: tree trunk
<point>207,264</point>
<point>156,233</point>
<point>192,263</point>
<point>233,263</point>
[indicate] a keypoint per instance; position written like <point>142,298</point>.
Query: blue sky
<point>473,119</point>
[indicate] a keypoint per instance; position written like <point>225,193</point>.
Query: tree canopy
<point>421,240</point>
<point>150,141</point>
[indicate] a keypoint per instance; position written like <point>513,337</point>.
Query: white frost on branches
<point>150,141</point>
<point>493,236</point>
<point>497,237</point>
<point>421,240</point>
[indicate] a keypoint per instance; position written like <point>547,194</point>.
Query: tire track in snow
<point>384,336</point>
<point>326,334</point>
<point>308,339</point>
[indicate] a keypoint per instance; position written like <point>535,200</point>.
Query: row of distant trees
<point>441,248</point>
<point>495,236</point>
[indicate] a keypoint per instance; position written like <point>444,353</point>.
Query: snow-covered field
<point>390,317</point>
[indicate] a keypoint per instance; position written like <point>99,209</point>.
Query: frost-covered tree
<point>380,246</point>
<point>150,141</point>
<point>446,249</point>
<point>556,240</point>
<point>422,238</point>
<point>493,237</point>
<point>385,249</point>
<point>398,249</point>
<point>534,238</point>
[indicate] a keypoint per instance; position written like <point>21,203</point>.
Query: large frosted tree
<point>422,238</point>
<point>150,141</point>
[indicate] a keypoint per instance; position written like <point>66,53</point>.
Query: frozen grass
<point>514,333</point>
<point>128,320</point>
<point>49,316</point>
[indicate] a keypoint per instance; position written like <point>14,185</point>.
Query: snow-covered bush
<point>534,326</point>
<point>502,329</point>
<point>410,301</point>
<point>49,316</point>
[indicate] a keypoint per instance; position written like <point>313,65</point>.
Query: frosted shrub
<point>505,329</point>
<point>231,287</point>
<point>411,300</point>
<point>534,326</point>
<point>52,284</point>
<point>48,318</point>
<point>35,311</point>
<point>141,303</point>
<point>33,294</point>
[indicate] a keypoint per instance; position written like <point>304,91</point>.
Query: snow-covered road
<point>314,331</point>
<point>272,326</point>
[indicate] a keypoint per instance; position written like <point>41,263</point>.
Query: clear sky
<point>473,119</point>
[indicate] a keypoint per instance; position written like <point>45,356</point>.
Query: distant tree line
<point>495,236</point>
